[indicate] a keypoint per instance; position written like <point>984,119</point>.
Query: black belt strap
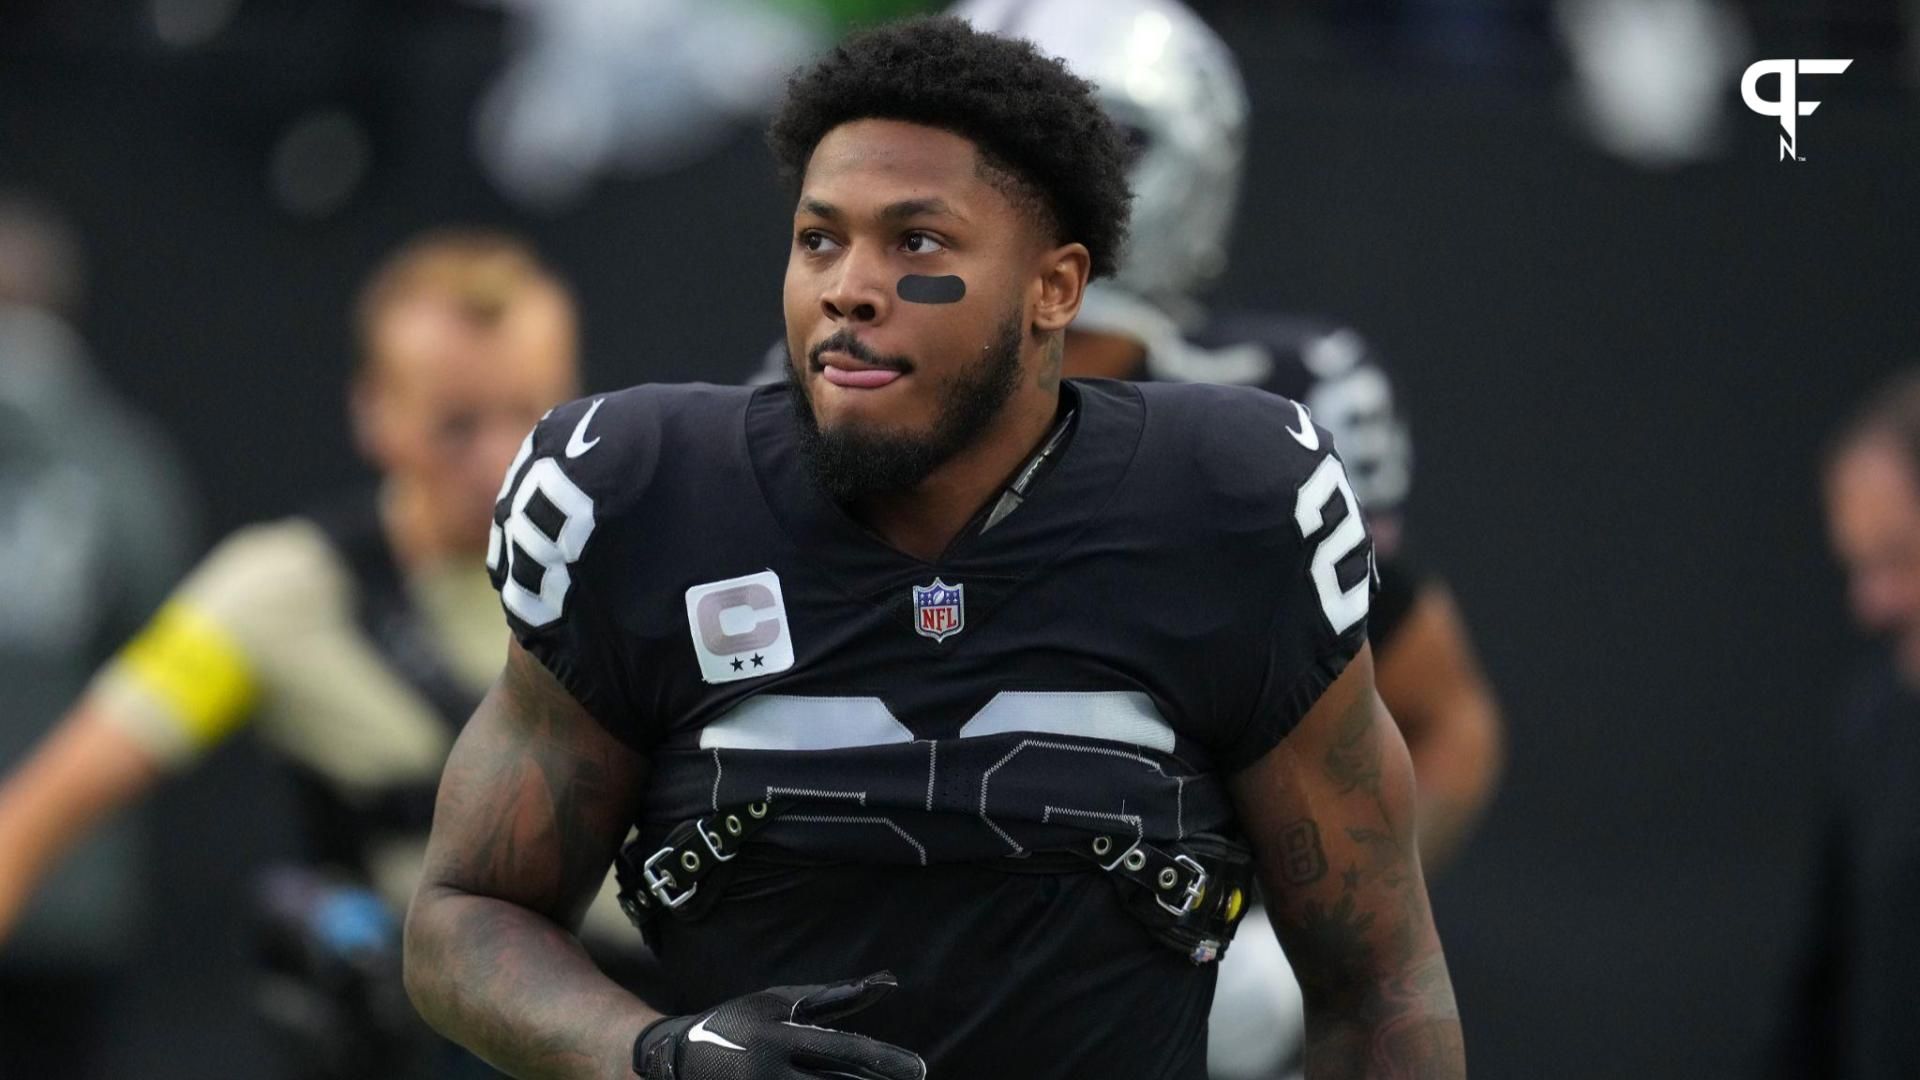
<point>669,878</point>
<point>1190,899</point>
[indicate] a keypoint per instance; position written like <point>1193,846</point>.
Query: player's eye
<point>919,243</point>
<point>816,241</point>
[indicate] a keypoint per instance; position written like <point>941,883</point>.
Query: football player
<point>955,704</point>
<point>1174,88</point>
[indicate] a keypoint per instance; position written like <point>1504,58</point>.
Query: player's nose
<point>858,291</point>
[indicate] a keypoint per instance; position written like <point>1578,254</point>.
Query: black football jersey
<point>1330,368</point>
<point>1347,386</point>
<point>1171,597</point>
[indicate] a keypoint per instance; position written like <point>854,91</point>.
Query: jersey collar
<point>1081,476</point>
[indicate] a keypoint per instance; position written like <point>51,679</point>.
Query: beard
<point>857,461</point>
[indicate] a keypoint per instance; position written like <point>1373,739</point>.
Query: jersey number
<point>1344,607</point>
<point>522,536</point>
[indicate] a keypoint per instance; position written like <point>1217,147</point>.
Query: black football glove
<point>776,1035</point>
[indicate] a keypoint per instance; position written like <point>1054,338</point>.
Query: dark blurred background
<point>1621,354</point>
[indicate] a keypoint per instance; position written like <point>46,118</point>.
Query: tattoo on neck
<point>1056,356</point>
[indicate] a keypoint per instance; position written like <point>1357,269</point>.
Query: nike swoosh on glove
<point>776,1034</point>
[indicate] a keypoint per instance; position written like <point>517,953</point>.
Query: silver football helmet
<point>1172,85</point>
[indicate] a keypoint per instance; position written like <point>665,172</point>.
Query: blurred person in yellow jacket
<point>353,639</point>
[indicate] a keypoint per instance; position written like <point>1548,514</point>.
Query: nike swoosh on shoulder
<point>1306,436</point>
<point>699,1033</point>
<point>579,444</point>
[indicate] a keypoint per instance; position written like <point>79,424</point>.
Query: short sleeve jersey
<point>1169,600</point>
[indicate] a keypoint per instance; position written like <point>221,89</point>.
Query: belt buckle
<point>1196,888</point>
<point>659,883</point>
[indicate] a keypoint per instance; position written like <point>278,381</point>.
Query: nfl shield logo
<point>939,610</point>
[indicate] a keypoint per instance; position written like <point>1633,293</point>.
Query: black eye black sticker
<point>921,289</point>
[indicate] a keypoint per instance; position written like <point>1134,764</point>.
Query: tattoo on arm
<point>534,801</point>
<point>1305,861</point>
<point>1353,762</point>
<point>533,811</point>
<point>1379,1000</point>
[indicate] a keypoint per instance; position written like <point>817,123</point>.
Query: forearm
<point>1457,766</point>
<point>1454,788</point>
<point>517,989</point>
<point>29,840</point>
<point>1408,1027</point>
<point>1433,685</point>
<point>85,770</point>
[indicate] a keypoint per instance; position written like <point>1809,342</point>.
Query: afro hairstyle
<point>1037,126</point>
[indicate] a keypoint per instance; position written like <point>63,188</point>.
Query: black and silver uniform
<point>1348,387</point>
<point>1171,597</point>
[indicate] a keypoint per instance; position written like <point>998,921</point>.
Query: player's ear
<point>1060,284</point>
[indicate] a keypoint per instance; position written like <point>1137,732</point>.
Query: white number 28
<point>522,536</point>
<point>1344,607</point>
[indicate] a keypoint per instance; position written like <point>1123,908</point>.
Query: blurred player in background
<point>1852,1010</point>
<point>1174,87</point>
<point>354,639</point>
<point>93,530</point>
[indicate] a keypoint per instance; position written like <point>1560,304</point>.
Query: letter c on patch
<point>714,636</point>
